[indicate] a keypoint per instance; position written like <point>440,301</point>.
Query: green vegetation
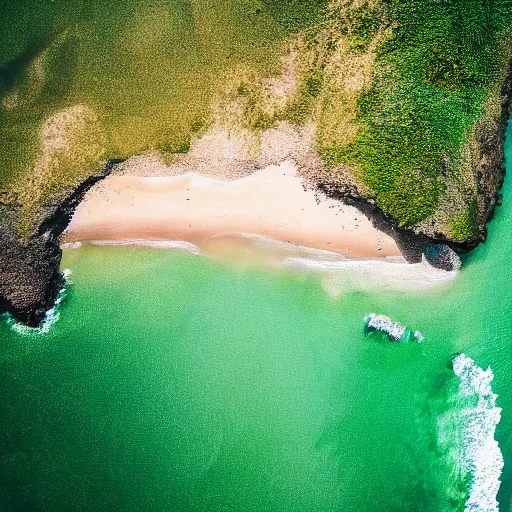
<point>396,88</point>
<point>299,110</point>
<point>149,71</point>
<point>433,66</point>
<point>295,15</point>
<point>463,225</point>
<point>362,24</point>
<point>257,113</point>
<point>175,148</point>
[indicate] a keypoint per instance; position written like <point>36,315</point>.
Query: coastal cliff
<point>407,104</point>
<point>491,170</point>
<point>30,276</point>
<point>488,171</point>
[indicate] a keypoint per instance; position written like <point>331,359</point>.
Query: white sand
<point>194,208</point>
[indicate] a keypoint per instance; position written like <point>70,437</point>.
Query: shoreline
<point>271,203</point>
<point>268,218</point>
<point>337,274</point>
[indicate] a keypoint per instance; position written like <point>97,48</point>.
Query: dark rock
<point>441,256</point>
<point>491,171</point>
<point>30,278</point>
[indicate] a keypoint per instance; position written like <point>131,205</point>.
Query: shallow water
<point>174,382</point>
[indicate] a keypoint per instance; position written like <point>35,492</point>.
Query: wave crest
<point>50,317</point>
<point>476,453</point>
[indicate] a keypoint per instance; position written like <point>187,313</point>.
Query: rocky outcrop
<point>490,172</point>
<point>29,271</point>
<point>30,277</point>
<point>441,256</point>
<point>393,331</point>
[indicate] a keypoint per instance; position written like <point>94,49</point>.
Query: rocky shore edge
<point>30,276</point>
<point>414,242</point>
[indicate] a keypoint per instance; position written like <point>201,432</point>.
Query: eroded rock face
<point>490,170</point>
<point>441,256</point>
<point>30,277</point>
<point>29,272</point>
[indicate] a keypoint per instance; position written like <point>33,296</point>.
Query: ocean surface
<point>169,381</point>
<point>174,382</point>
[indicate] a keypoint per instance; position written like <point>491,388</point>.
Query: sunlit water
<point>174,382</point>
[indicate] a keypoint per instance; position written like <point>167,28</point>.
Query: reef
<point>393,331</point>
<point>441,256</point>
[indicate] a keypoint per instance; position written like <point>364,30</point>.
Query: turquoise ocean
<point>174,382</point>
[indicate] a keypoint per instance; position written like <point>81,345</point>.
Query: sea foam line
<point>51,316</point>
<point>71,245</point>
<point>388,273</point>
<point>298,251</point>
<point>155,244</point>
<point>479,455</point>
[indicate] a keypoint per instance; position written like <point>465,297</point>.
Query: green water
<point>173,382</point>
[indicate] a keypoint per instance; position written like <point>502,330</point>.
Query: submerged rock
<point>441,256</point>
<point>394,331</point>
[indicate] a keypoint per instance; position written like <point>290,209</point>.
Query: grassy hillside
<point>398,90</point>
<point>432,69</point>
<point>147,71</point>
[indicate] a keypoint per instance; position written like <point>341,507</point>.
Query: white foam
<point>155,244</point>
<point>71,245</point>
<point>299,251</point>
<point>476,453</point>
<point>395,330</point>
<point>337,271</point>
<point>419,336</point>
<point>387,273</point>
<point>51,316</point>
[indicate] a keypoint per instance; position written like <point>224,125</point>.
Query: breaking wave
<point>50,317</point>
<point>155,244</point>
<point>474,454</point>
<point>394,331</point>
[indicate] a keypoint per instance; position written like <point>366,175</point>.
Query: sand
<point>271,203</point>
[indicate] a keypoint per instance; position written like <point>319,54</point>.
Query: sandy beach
<point>192,207</point>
